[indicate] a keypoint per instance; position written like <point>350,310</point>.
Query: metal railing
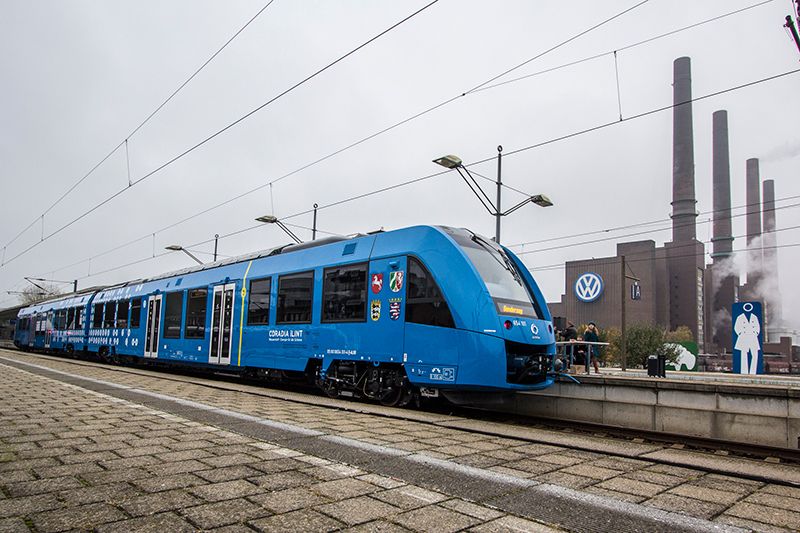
<point>569,349</point>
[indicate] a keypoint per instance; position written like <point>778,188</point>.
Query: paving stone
<point>44,452</point>
<point>767,515</point>
<point>278,465</point>
<point>358,510</point>
<point>655,477</point>
<point>706,494</point>
<point>750,525</point>
<point>67,470</point>
<point>783,490</point>
<point>283,501</point>
<point>13,525</point>
<point>178,467</point>
<point>112,476</point>
<point>227,490</point>
<point>26,464</point>
<point>532,466</point>
<point>622,496</point>
<point>174,481</point>
<point>219,514</point>
<point>85,517</point>
<point>26,505</point>
<point>39,486</point>
<point>306,520</point>
<point>227,473</point>
<point>283,480</point>
<point>343,488</point>
<point>435,519</point>
<point>159,523</point>
<point>470,509</point>
<point>130,462</point>
<point>136,451</point>
<point>625,464</point>
<point>111,493</point>
<point>106,455</point>
<point>378,526</point>
<point>591,471</point>
<point>382,481</point>
<point>478,460</point>
<point>159,502</point>
<point>687,473</point>
<point>631,486</point>
<point>17,476</point>
<point>564,479</point>
<point>561,459</point>
<point>230,460</point>
<point>513,524</point>
<point>684,505</point>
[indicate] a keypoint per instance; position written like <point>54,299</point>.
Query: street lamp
<point>179,248</point>
<point>270,219</point>
<point>454,162</point>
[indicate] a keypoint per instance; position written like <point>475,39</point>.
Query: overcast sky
<point>80,76</point>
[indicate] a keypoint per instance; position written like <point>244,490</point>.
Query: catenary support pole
<point>622,342</point>
<point>498,211</point>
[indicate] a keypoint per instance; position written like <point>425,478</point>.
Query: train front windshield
<point>505,284</point>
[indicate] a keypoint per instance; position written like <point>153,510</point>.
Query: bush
<point>642,341</point>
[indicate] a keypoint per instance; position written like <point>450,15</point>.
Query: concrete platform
<point>762,410</point>
<point>157,452</point>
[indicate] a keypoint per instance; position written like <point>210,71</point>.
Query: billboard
<point>748,338</point>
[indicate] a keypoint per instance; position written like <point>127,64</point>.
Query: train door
<point>386,295</point>
<point>219,352</point>
<point>153,329</point>
<point>48,332</point>
<point>31,329</point>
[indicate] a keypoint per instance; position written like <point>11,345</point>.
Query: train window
<point>111,310</point>
<point>71,318</point>
<point>173,311</point>
<point>344,293</point>
<point>136,313</point>
<point>57,320</point>
<point>196,314</point>
<point>258,308</point>
<point>295,294</point>
<point>122,313</point>
<point>79,318</point>
<point>62,319</point>
<point>424,301</point>
<point>97,316</point>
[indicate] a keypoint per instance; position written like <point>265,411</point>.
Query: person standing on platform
<point>591,335</point>
<point>570,333</point>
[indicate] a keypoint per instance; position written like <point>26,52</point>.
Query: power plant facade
<point>672,286</point>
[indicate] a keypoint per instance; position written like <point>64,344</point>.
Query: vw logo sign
<point>589,287</point>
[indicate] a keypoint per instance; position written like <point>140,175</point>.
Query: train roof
<point>111,291</point>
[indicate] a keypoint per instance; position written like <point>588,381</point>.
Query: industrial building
<point>671,285</point>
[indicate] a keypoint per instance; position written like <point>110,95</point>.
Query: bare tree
<point>31,295</point>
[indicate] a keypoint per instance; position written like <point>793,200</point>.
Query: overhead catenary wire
<point>653,222</point>
<point>615,260</point>
<point>224,129</point>
<point>124,142</point>
<point>511,153</point>
<point>483,86</point>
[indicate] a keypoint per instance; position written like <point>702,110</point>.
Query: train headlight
<point>507,324</point>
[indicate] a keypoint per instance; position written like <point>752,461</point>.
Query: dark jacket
<point>591,336</point>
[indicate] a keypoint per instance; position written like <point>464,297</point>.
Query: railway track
<point>577,437</point>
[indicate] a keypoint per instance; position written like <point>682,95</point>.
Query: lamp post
<point>179,248</point>
<point>270,219</point>
<point>454,162</point>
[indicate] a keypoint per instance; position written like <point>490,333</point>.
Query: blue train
<point>385,316</point>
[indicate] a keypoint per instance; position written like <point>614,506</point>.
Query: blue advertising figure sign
<point>747,338</point>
